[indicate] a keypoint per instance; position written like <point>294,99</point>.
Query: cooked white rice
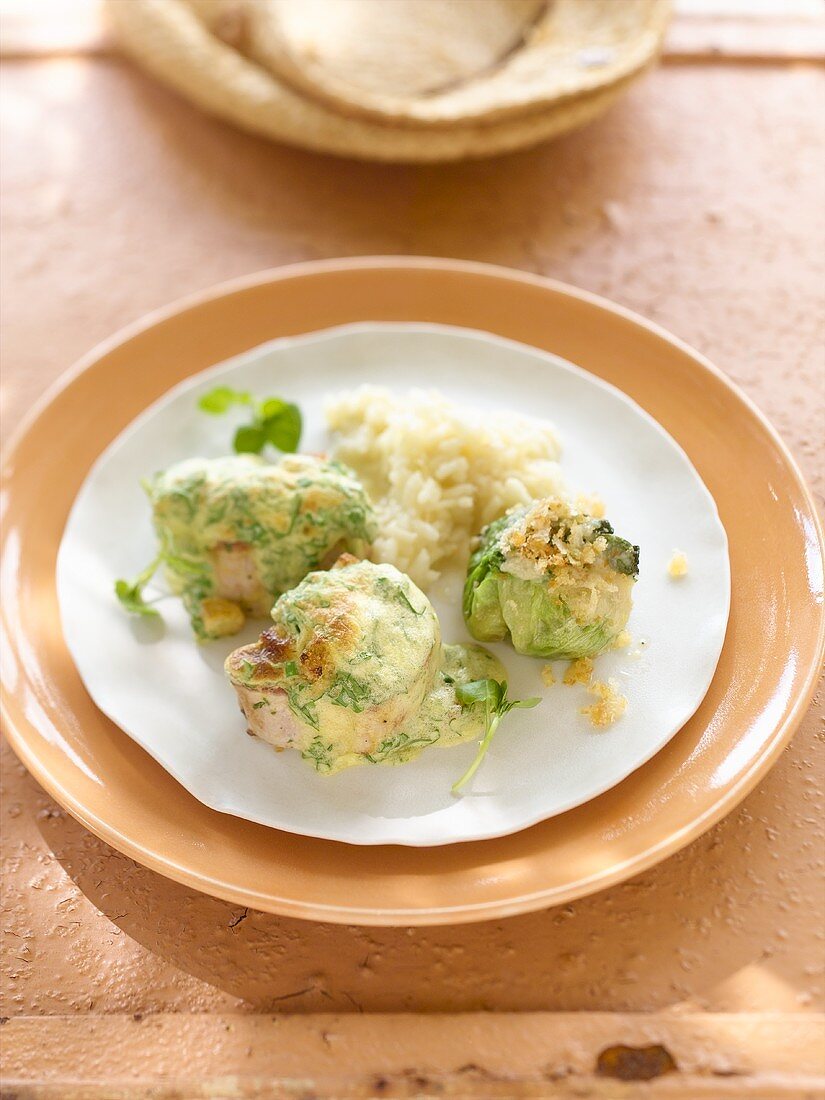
<point>437,471</point>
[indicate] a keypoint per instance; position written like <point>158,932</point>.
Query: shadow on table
<point>662,938</point>
<point>532,208</point>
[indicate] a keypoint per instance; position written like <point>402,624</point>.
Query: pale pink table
<point>698,202</point>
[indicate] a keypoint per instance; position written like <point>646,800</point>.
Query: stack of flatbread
<point>400,80</point>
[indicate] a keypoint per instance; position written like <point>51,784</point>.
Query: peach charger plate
<point>765,678</point>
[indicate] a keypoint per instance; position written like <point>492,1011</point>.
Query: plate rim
<point>600,879</point>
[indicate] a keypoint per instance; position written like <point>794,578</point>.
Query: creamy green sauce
<point>374,636</point>
<point>439,720</point>
<point>442,720</point>
<point>289,515</point>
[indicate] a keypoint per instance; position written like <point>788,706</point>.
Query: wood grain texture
<point>696,202</point>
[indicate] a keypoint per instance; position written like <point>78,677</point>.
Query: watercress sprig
<point>493,695</point>
<point>130,593</point>
<point>273,421</point>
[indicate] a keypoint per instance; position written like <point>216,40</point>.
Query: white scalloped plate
<point>169,694</point>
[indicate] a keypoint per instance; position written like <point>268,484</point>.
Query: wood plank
<point>778,1055</point>
<point>737,40</point>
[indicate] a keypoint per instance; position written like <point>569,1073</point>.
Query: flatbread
<point>177,46</point>
<point>361,54</point>
<point>441,62</point>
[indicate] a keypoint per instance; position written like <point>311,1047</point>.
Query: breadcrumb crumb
<point>623,640</point>
<point>579,672</point>
<point>610,705</point>
<point>547,675</point>
<point>221,617</point>
<point>551,536</point>
<point>678,564</point>
<point>591,505</point>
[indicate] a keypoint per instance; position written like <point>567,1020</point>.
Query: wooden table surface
<point>696,201</point>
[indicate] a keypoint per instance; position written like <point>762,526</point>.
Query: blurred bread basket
<point>396,80</point>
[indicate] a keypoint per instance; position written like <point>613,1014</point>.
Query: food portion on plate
<point>353,671</point>
<point>559,582</point>
<point>236,532</point>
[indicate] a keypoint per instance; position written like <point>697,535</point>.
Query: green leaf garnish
<point>132,600</point>
<point>489,692</point>
<point>217,401</point>
<point>130,593</point>
<point>182,565</point>
<point>283,427</point>
<point>496,704</point>
<point>249,440</point>
<point>274,420</point>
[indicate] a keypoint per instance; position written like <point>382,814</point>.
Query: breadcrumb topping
<point>579,672</point>
<point>610,704</point>
<point>678,564</point>
<point>550,536</point>
<point>623,640</point>
<point>547,675</point>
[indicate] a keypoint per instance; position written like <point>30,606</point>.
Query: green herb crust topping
<point>236,532</point>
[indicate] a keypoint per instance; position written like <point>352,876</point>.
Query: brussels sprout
<point>558,581</point>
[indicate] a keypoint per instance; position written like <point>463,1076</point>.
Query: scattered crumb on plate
<point>591,504</point>
<point>678,564</point>
<point>221,617</point>
<point>547,675</point>
<point>579,672</point>
<point>610,704</point>
<point>623,640</point>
